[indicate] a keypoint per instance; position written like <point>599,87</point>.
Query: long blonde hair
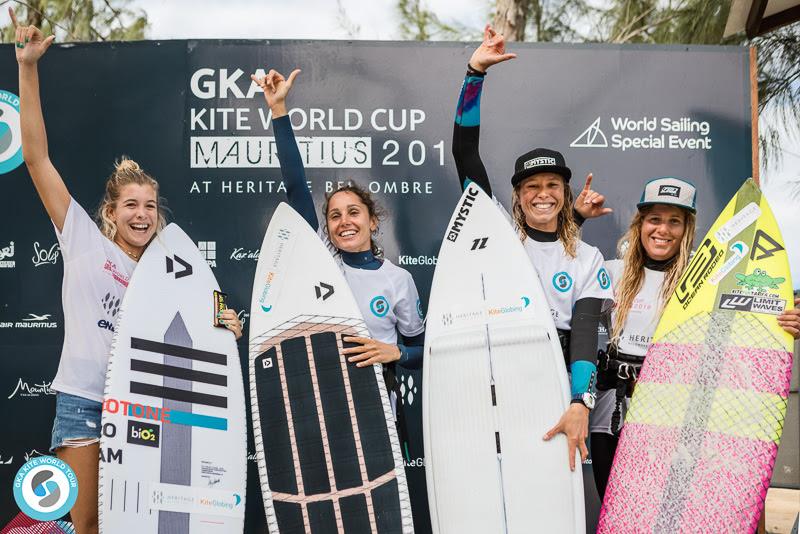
<point>634,257</point>
<point>126,171</point>
<point>567,230</point>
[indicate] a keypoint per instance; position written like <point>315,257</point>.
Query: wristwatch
<point>587,399</point>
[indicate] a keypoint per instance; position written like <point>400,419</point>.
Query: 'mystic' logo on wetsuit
<point>379,306</point>
<point>562,281</point>
<point>463,212</point>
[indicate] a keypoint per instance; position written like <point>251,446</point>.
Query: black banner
<point>379,113</point>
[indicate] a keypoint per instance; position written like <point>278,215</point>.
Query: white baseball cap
<point>669,190</point>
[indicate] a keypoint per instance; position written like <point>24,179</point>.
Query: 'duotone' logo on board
<point>45,488</point>
<point>10,133</point>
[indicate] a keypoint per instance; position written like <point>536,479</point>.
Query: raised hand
<point>589,203</point>
<point>30,42</point>
<point>491,51</point>
<point>276,87</point>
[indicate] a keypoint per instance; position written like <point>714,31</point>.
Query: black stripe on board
<point>336,409</point>
<point>290,517</point>
<point>386,503</point>
<point>179,351</point>
<point>178,372</point>
<point>371,419</point>
<point>274,424</point>
<point>179,395</point>
<point>322,518</point>
<point>355,517</point>
<point>305,417</point>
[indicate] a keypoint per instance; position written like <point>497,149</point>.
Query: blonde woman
<point>572,273</point>
<point>98,262</point>
<point>655,251</point>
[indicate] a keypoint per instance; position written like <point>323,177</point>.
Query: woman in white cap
<point>572,273</point>
<point>655,251</point>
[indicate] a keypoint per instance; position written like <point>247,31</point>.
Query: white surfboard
<point>173,446</point>
<point>328,454</point>
<point>494,381</point>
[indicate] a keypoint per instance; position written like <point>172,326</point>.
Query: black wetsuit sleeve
<point>411,349</point>
<point>586,317</point>
<point>294,175</point>
<point>466,134</point>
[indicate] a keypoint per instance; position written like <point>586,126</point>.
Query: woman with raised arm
<point>572,274</point>
<point>385,293</point>
<point>98,263</point>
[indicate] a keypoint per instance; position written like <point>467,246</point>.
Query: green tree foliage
<point>80,20</point>
<point>418,23</point>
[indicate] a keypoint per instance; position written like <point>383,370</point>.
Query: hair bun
<point>126,164</point>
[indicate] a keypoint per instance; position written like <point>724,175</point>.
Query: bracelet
<point>472,71</point>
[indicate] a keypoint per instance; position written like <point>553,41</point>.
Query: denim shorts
<point>78,419</point>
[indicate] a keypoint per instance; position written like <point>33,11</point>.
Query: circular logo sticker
<point>379,306</point>
<point>603,278</point>
<point>10,133</point>
<point>562,281</point>
<point>419,309</point>
<point>45,488</point>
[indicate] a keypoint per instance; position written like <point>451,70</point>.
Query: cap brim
<point>641,205</point>
<point>564,172</point>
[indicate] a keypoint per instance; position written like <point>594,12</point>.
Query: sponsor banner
<point>195,500</point>
<point>201,127</point>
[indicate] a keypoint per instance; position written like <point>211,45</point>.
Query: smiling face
<point>663,227</point>
<point>541,198</point>
<point>135,215</point>
<point>350,224</point>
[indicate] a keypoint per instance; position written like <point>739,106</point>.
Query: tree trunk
<point>35,13</point>
<point>510,19</point>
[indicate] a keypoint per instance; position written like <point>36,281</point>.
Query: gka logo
<point>10,133</point>
<point>208,249</point>
<point>284,234</point>
<point>562,281</point>
<point>669,191</point>
<point>45,488</point>
<point>379,306</point>
<point>419,309</point>
<point>7,252</point>
<point>603,279</point>
<point>42,256</point>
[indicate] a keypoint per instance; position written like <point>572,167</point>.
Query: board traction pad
<point>324,471</point>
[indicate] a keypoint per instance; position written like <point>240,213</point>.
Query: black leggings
<point>603,448</point>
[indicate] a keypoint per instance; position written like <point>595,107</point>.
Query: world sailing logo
<point>592,137</point>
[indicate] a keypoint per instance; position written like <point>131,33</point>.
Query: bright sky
<point>299,19</point>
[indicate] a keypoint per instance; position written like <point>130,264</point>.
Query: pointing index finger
<point>588,185</point>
